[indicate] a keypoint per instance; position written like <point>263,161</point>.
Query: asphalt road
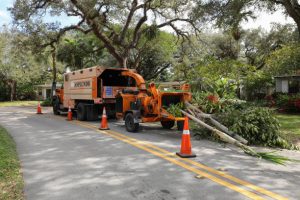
<point>74,160</point>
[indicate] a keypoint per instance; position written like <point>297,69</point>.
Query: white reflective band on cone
<point>187,132</point>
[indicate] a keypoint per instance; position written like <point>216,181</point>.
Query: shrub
<point>207,102</point>
<point>46,102</point>
<point>288,103</point>
<point>256,83</point>
<point>257,125</point>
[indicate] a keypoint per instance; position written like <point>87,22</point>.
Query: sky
<point>264,20</point>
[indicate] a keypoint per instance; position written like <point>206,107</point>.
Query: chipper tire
<point>180,125</point>
<point>129,123</point>
<point>167,124</point>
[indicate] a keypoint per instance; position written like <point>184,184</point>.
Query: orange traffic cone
<point>39,109</point>
<point>70,114</point>
<point>104,124</point>
<point>186,146</point>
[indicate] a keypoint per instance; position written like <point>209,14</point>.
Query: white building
<point>44,91</point>
<point>288,83</point>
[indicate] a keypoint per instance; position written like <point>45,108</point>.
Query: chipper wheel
<point>167,124</point>
<point>180,125</point>
<point>129,123</point>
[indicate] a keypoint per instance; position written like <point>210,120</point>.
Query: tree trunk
<point>298,27</point>
<point>54,71</point>
<point>13,88</point>
<point>124,64</point>
<point>293,10</point>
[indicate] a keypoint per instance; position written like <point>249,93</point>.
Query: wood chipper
<point>124,94</point>
<point>150,105</point>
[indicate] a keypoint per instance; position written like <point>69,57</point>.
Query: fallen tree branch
<point>215,123</point>
<point>270,156</point>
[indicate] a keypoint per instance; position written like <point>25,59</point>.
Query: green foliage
<point>285,60</point>
<point>255,82</point>
<point>223,87</point>
<point>213,68</point>
<point>175,109</point>
<point>288,103</point>
<point>156,56</point>
<point>79,51</point>
<point>208,102</point>
<point>18,66</point>
<point>46,102</point>
<point>257,125</point>
<point>271,156</point>
<point>11,182</point>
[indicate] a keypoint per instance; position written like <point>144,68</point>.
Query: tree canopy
<point>119,25</point>
<point>163,40</point>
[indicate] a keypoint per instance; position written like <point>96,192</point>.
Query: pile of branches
<point>224,134</point>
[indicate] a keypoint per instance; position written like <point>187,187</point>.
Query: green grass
<point>11,181</point>
<point>18,103</point>
<point>290,126</point>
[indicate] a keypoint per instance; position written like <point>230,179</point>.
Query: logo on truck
<point>81,84</point>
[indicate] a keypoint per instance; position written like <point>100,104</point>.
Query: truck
<point>123,93</point>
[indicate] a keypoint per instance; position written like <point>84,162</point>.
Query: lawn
<point>18,103</point>
<point>290,125</point>
<point>11,180</point>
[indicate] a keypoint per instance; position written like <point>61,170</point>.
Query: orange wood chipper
<point>124,94</point>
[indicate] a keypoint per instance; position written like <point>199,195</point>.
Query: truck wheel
<point>167,124</point>
<point>81,112</point>
<point>129,123</point>
<point>180,125</point>
<point>56,107</point>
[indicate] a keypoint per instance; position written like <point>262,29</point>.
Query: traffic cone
<point>104,123</point>
<point>186,146</point>
<point>39,109</point>
<point>70,114</point>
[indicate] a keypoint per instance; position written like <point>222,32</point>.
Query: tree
<point>78,51</point>
<point>119,25</point>
<point>155,56</point>
<point>284,61</point>
<point>291,7</point>
<point>230,13</point>
<point>19,69</point>
<point>258,45</point>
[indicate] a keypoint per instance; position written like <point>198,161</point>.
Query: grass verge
<point>290,126</point>
<point>18,103</point>
<point>11,180</point>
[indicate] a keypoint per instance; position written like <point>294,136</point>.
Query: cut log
<point>201,114</point>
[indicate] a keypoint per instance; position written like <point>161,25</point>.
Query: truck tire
<point>81,112</point>
<point>167,124</point>
<point>129,123</point>
<point>56,107</point>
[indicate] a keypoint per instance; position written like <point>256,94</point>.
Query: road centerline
<point>173,160</point>
<point>186,163</point>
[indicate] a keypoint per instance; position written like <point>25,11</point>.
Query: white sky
<point>265,20</point>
